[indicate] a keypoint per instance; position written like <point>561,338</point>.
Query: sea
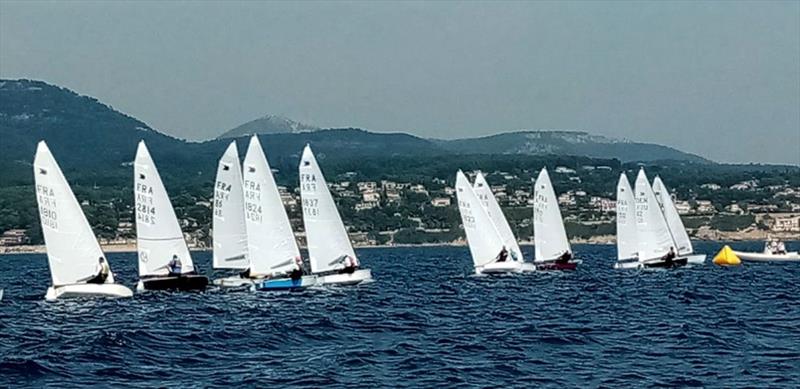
<point>425,322</point>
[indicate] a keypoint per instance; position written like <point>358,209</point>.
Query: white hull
<point>234,282</point>
<point>87,290</point>
<point>356,277</point>
<point>761,257</point>
<point>695,259</point>
<point>506,267</point>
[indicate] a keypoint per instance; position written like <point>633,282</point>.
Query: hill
<point>98,143</point>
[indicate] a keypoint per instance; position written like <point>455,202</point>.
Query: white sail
<point>229,232</point>
<point>72,249</point>
<point>549,235</point>
<point>654,238</point>
<point>158,234</point>
<point>485,242</point>
<point>328,243</point>
<point>679,235</point>
<point>627,245</point>
<point>271,244</point>
<point>489,203</point>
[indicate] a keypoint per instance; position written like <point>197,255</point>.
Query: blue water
<point>425,322</point>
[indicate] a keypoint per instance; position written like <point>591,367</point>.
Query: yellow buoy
<point>726,257</point>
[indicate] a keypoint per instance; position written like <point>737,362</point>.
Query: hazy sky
<point>720,79</point>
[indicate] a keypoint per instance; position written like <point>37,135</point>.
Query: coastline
<point>703,235</point>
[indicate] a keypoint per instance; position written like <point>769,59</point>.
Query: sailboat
<point>627,246</point>
<point>229,232</point>
<point>159,238</point>
<point>489,203</point>
<point>73,253</point>
<point>552,247</point>
<point>654,244</point>
<point>486,244</point>
<point>679,235</point>
<point>330,252</point>
<point>271,245</point>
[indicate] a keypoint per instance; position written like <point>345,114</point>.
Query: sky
<point>719,79</point>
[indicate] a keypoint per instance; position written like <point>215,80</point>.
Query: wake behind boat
<point>77,264</point>
<point>552,249</point>
<point>487,246</point>
<point>330,252</point>
<point>164,259</point>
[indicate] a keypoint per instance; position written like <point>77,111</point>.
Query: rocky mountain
<point>269,124</point>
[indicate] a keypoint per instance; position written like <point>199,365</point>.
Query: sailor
<point>780,248</point>
<point>564,258</point>
<point>102,272</point>
<point>350,265</point>
<point>502,256</point>
<point>245,273</point>
<point>174,266</point>
<point>297,271</point>
<point>670,256</point>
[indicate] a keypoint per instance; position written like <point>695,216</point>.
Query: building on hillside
<point>388,185</point>
<point>711,186</point>
<point>785,222</point>
<point>418,188</point>
<point>364,205</point>
<point>566,199</point>
<point>683,207</point>
<point>564,170</point>
<point>14,237</point>
<point>705,206</point>
<point>603,204</point>
<point>734,208</point>
<point>367,186</point>
<point>449,190</point>
<point>371,196</point>
<point>440,202</point>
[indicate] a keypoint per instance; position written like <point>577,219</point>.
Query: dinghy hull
<point>286,283</point>
<point>234,282</point>
<point>87,290</point>
<point>696,259</point>
<point>354,278</point>
<point>661,264</point>
<point>761,257</point>
<point>550,266</point>
<point>185,282</point>
<point>505,267</point>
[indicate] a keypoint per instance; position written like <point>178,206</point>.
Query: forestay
<point>228,225</point>
<point>158,234</point>
<point>674,222</point>
<point>271,244</point>
<point>653,234</point>
<point>627,245</point>
<point>72,249</point>
<point>485,242</point>
<point>328,243</point>
<point>484,193</point>
<point>550,237</point>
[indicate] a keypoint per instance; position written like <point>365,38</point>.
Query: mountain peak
<point>268,124</point>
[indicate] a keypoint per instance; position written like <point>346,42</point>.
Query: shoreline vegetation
<point>711,236</point>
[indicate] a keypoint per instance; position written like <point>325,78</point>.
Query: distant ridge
<point>269,124</point>
<point>87,135</point>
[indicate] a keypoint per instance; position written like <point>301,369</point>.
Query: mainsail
<point>229,230</point>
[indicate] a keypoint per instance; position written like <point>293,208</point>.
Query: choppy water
<point>425,322</point>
